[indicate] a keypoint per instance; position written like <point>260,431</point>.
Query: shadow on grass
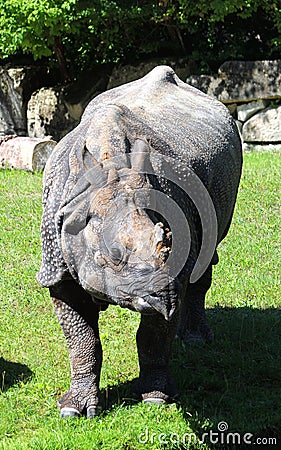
<point>235,380</point>
<point>12,373</point>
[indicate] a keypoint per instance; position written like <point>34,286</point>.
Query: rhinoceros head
<point>108,240</point>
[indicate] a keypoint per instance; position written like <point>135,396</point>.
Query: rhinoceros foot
<point>163,391</point>
<point>201,335</point>
<point>81,399</point>
<point>155,397</point>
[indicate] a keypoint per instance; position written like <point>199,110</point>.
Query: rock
<point>12,111</point>
<point>89,85</point>
<point>261,147</point>
<point>47,114</point>
<point>254,68</point>
<point>239,126</point>
<point>16,87</point>
<point>247,110</point>
<point>57,110</point>
<point>125,74</point>
<point>232,108</point>
<point>240,81</point>
<point>264,126</point>
<point>25,153</point>
<point>210,84</point>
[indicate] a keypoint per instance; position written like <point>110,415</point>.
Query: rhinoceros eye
<point>116,253</point>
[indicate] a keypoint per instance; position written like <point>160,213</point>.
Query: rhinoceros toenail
<point>154,401</point>
<point>93,411</point>
<point>69,412</point>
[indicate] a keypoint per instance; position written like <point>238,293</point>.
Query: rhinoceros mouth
<point>165,305</point>
<point>138,298</point>
<point>143,306</point>
<point>149,304</point>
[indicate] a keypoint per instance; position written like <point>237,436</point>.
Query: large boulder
<point>47,114</point>
<point>89,84</point>
<point>264,126</point>
<point>247,110</point>
<point>56,111</point>
<point>122,74</point>
<point>12,113</point>
<point>242,81</point>
<point>16,87</point>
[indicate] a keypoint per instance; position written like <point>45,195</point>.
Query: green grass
<point>236,379</point>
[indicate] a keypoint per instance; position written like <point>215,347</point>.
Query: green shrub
<point>78,33</point>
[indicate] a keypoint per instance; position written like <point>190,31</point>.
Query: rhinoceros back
<point>181,122</point>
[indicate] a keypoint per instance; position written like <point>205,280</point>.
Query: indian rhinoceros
<point>136,199</point>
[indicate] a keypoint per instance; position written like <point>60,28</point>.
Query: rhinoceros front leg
<point>80,327</point>
<point>193,325</point>
<point>154,340</point>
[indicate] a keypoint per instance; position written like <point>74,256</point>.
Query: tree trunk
<point>59,52</point>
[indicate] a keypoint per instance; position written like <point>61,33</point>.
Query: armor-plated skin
<point>101,245</point>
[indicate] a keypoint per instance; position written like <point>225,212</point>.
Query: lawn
<point>233,382</point>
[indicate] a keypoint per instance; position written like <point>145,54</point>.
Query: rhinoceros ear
<point>69,175</point>
<point>56,175</point>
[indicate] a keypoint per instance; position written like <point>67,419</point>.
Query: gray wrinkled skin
<point>101,245</point>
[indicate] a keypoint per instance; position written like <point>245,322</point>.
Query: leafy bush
<point>78,33</point>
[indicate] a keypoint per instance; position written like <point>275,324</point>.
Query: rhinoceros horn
<point>140,156</point>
